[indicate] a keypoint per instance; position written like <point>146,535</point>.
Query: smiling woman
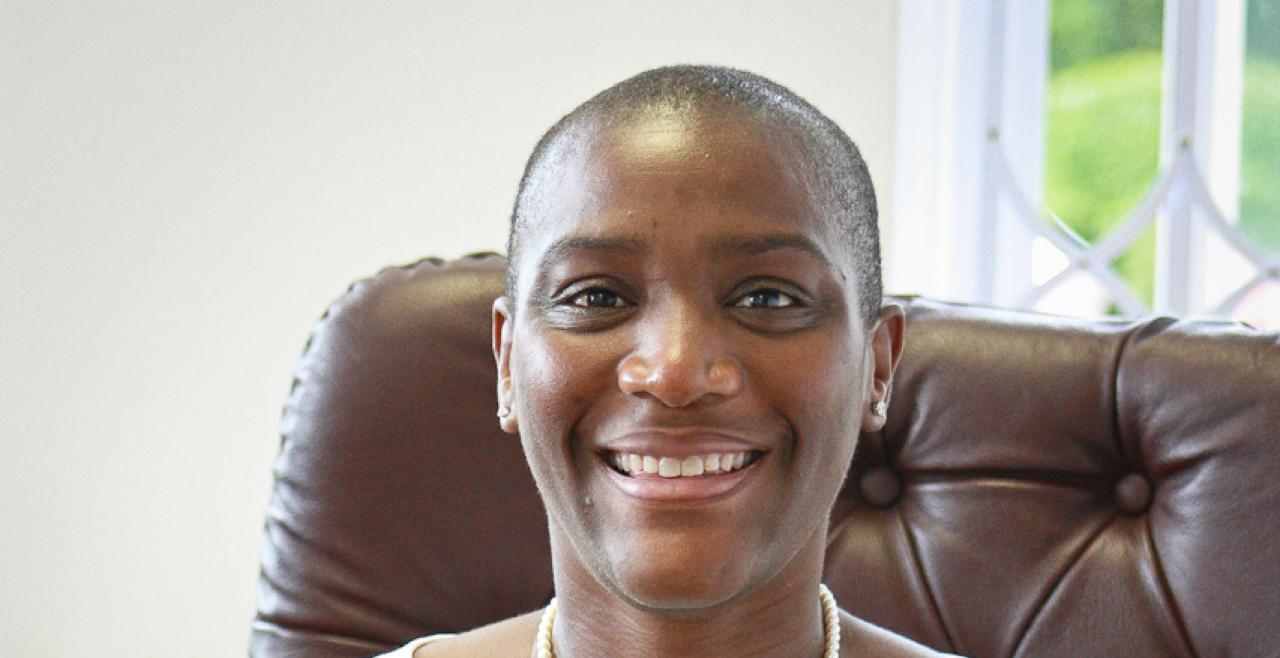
<point>691,341</point>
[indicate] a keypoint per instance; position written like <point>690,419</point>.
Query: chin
<point>677,576</point>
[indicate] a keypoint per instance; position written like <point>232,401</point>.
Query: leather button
<point>880,486</point>
<point>1133,494</point>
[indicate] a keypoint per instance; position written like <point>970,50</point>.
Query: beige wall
<point>185,185</point>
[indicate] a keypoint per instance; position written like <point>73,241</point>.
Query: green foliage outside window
<point>1103,123</point>
<point>1082,31</point>
<point>1260,149</point>
<point>1103,128</point>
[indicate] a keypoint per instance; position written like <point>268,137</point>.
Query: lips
<point>681,467</point>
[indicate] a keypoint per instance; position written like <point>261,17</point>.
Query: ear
<point>883,351</point>
<point>502,325</point>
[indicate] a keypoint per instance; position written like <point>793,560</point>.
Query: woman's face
<point>683,306</point>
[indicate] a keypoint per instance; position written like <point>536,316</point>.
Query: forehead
<point>676,179</point>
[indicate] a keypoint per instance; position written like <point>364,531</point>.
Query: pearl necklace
<point>830,627</point>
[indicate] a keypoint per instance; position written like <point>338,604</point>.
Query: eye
<point>597,298</point>
<point>766,298</point>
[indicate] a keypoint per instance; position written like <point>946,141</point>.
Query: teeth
<point>674,467</point>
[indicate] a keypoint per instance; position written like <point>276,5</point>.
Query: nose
<point>679,360</point>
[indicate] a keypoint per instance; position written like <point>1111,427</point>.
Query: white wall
<point>185,185</point>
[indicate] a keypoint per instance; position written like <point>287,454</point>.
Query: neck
<point>782,617</point>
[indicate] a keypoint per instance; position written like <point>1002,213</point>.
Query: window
<point>1090,157</point>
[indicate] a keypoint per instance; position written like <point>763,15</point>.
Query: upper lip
<point>682,442</point>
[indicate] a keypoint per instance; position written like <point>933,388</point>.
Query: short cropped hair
<point>837,174</point>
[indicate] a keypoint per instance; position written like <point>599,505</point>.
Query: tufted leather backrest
<point>1044,486</point>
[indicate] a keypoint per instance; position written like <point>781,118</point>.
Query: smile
<point>636,465</point>
<point>689,479</point>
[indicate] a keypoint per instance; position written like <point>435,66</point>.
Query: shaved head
<point>831,167</point>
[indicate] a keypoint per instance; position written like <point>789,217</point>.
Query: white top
<point>407,650</point>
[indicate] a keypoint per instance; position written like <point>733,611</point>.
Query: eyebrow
<point>565,246</point>
<point>734,245</point>
<point>754,245</point>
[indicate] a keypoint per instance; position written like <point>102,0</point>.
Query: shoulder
<point>861,638</point>
<point>510,637</point>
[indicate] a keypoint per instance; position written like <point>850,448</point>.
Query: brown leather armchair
<point>1044,487</point>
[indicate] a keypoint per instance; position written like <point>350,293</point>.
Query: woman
<point>692,338</point>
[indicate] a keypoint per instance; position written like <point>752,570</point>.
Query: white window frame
<point>969,158</point>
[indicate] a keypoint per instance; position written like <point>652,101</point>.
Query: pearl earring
<point>879,409</point>
<point>503,411</point>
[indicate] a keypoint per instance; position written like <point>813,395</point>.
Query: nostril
<point>679,382</point>
<point>725,377</point>
<point>633,375</point>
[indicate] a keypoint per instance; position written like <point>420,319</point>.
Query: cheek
<point>815,381</point>
<point>838,392</point>
<point>818,393</point>
<point>556,379</point>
